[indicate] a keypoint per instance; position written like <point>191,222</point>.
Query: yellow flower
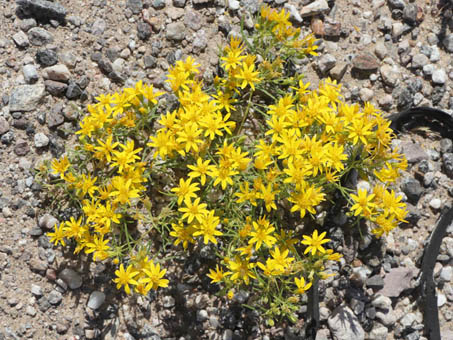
<point>194,210</point>
<point>249,76</point>
<point>363,203</point>
<point>217,275</point>
<point>125,278</point>
<point>186,190</point>
<point>201,169</point>
<point>315,242</point>
<point>58,235</point>
<point>182,234</point>
<point>207,227</point>
<point>262,233</point>
<point>301,286</point>
<point>154,277</point>
<point>60,166</point>
<point>124,190</point>
<point>241,269</point>
<point>99,247</point>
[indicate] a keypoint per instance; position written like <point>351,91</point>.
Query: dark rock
<point>365,62</point>
<point>105,65</point>
<point>71,278</point>
<point>438,94</point>
<point>375,282</point>
<point>448,42</point>
<point>55,88</point>
<point>73,91</point>
<point>447,160</point>
<point>413,214</point>
<point>143,30</point>
<point>46,57</point>
<point>412,188</point>
<point>83,82</point>
<point>7,138</point>
<point>113,53</point>
<point>96,56</point>
<point>117,77</point>
<point>403,96</point>
<point>158,4</point>
<point>20,124</point>
<point>42,10</point>
<point>410,12</point>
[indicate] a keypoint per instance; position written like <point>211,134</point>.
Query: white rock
<point>58,72</point>
<point>344,325</point>
<point>435,203</point>
<point>233,5</point>
<point>441,300</point>
<point>315,7</point>
<point>446,274</point>
<point>439,76</point>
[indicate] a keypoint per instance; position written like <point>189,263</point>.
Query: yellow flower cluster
<point>246,165</point>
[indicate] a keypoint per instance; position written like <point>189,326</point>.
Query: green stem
<point>247,110</point>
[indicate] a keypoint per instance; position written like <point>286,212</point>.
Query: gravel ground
<point>394,53</point>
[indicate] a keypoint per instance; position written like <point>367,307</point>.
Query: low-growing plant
<point>243,169</point>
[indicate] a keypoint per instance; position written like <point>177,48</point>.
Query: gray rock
<point>227,334</point>
<point>441,300</point>
<point>366,94</point>
<point>193,20</point>
<point>200,42</point>
<point>69,59</point>
<point>41,140</point>
<point>175,31</point>
<point>46,57</point>
<point>47,222</point>
<point>30,74</point>
<point>54,297</point>
<point>387,317</point>
<point>439,76</point>
<point>314,8</point>
<point>36,290</point>
<point>143,30</point>
<point>390,75</point>
<point>4,126</point>
<point>398,29</point>
<point>71,278</point>
<point>202,315</point>
<point>26,24</point>
<point>419,60</point>
<point>21,39</point>
<point>446,145</point>
<point>98,26</point>
<point>446,274</point>
<point>135,6</point>
<point>75,20</point>
<point>26,97</point>
<point>396,281</point>
<point>448,42</point>
<point>380,50</point>
<point>39,36</point>
<point>428,70</point>
<point>447,161</point>
<point>326,62</point>
<point>149,61</point>
<point>344,325</point>
<point>414,152</point>
<point>57,72</point>
<point>43,10</point>
<point>55,88</point>
<point>435,54</point>
<point>96,300</point>
<point>412,188</point>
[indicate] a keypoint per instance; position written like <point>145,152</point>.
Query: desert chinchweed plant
<point>242,169</point>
